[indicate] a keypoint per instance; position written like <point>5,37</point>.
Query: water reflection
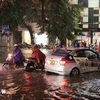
<point>7,86</point>
<point>58,88</point>
<point>27,78</point>
<point>21,85</point>
<point>73,88</point>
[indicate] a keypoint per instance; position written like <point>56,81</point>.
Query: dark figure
<point>18,55</point>
<point>77,44</point>
<point>85,44</point>
<point>38,55</point>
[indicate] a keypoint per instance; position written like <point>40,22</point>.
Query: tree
<point>60,18</point>
<point>15,12</point>
<point>22,10</point>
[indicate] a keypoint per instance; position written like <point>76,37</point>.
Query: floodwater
<point>21,85</point>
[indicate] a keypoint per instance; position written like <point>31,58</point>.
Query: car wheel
<point>75,71</point>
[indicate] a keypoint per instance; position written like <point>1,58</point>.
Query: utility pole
<point>91,36</point>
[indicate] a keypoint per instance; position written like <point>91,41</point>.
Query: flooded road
<point>21,85</point>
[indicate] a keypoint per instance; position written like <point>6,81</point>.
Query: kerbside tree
<point>60,18</point>
<point>16,12</point>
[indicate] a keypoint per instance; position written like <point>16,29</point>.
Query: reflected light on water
<point>22,85</point>
<point>64,83</point>
<point>27,78</point>
<point>65,88</point>
<point>59,89</point>
<point>10,84</point>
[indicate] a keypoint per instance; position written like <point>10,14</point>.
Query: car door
<point>81,60</point>
<point>93,62</point>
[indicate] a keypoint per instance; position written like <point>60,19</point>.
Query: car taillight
<point>63,61</point>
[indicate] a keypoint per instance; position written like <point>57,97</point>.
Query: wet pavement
<point>21,85</point>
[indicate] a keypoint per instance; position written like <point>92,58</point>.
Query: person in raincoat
<point>38,55</point>
<point>18,55</point>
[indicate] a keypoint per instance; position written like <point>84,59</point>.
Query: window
<point>84,2</point>
<point>93,3</point>
<point>85,19</point>
<point>85,12</point>
<point>99,18</point>
<point>85,25</point>
<point>96,11</point>
<point>75,1</point>
<point>61,52</point>
<point>90,54</point>
<point>79,53</point>
<point>96,19</point>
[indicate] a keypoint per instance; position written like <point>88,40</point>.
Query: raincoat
<point>36,53</point>
<point>18,54</point>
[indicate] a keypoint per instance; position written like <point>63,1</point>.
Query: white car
<point>72,61</point>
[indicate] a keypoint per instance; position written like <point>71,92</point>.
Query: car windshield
<point>61,52</point>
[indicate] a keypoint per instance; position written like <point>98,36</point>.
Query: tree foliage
<point>58,18</point>
<point>61,18</point>
<point>16,12</point>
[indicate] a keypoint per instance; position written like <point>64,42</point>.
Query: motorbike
<point>31,64</point>
<point>8,64</point>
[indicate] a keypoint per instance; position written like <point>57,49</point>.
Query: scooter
<point>33,65</point>
<point>8,64</point>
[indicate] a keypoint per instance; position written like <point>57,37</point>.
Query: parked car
<point>72,61</point>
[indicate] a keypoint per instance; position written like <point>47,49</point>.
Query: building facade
<point>90,20</point>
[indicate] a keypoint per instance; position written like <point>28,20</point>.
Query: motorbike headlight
<point>26,60</point>
<point>9,55</point>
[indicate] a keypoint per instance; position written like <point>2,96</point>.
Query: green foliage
<point>62,18</point>
<point>8,15</point>
<point>16,12</point>
<point>58,18</point>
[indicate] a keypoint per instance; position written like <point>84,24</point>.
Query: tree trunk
<point>43,17</point>
<point>62,42</point>
<point>26,25</point>
<point>42,9</point>
<point>30,31</point>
